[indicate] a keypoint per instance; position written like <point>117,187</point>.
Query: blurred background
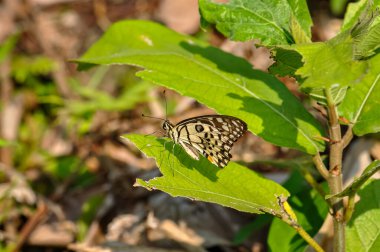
<point>66,178</point>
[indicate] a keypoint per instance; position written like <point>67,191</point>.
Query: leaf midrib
<point>361,107</point>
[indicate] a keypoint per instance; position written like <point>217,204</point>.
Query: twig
<point>335,173</point>
<point>346,139</point>
<point>350,207</point>
<point>290,218</point>
<point>320,166</point>
<point>308,239</point>
<point>313,183</point>
<point>30,225</point>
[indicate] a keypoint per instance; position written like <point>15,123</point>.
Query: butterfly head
<point>167,126</point>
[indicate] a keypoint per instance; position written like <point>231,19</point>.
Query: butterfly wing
<point>212,136</point>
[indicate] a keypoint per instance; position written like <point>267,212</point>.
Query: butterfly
<point>210,135</point>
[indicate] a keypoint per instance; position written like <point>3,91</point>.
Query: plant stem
<point>335,173</point>
<point>311,180</point>
<point>308,239</point>
<point>350,207</point>
<point>346,139</point>
<point>321,166</point>
<point>290,218</point>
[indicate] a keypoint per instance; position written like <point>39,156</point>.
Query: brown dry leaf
<point>127,228</point>
<point>86,248</point>
<point>52,234</point>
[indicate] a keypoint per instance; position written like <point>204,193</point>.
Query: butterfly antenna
<point>166,106</point>
<point>153,117</point>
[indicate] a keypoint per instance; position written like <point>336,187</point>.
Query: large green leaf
<point>363,231</point>
<point>267,20</point>
<point>330,63</point>
<point>233,186</point>
<point>361,105</point>
<point>311,210</point>
<point>215,78</point>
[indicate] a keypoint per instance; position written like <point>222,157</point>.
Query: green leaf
<point>337,6</point>
<point>311,211</point>
<point>7,46</point>
<point>299,35</point>
<point>366,33</point>
<point>329,63</point>
<point>286,62</point>
<point>361,105</point>
<point>357,183</point>
<point>100,100</point>
<point>368,44</point>
<point>6,143</point>
<point>355,11</point>
<point>247,230</point>
<point>217,79</point>
<point>24,67</point>
<point>234,186</point>
<point>265,20</point>
<point>362,232</point>
<point>337,94</point>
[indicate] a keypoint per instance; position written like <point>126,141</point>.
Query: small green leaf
<point>357,183</point>
<point>265,20</point>
<point>234,186</point>
<point>299,35</point>
<point>352,14</point>
<point>337,93</point>
<point>366,33</point>
<point>361,105</point>
<point>7,46</point>
<point>337,6</point>
<point>6,143</point>
<point>217,79</point>
<point>362,232</point>
<point>100,100</point>
<point>286,62</point>
<point>368,44</point>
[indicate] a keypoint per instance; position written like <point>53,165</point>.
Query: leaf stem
<point>308,239</point>
<point>335,173</point>
<point>311,180</point>
<point>320,166</point>
<point>350,207</point>
<point>346,139</point>
<point>290,218</point>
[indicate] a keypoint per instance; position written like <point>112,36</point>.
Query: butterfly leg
<point>173,152</point>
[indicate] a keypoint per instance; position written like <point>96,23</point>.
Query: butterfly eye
<point>164,126</point>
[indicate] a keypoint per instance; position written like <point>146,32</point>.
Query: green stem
<point>308,239</point>
<point>320,166</point>
<point>350,207</point>
<point>311,180</point>
<point>335,174</point>
<point>290,218</point>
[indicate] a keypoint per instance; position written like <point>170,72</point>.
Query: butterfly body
<point>211,136</point>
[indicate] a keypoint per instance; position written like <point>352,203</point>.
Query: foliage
<point>341,74</point>
<point>363,229</point>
